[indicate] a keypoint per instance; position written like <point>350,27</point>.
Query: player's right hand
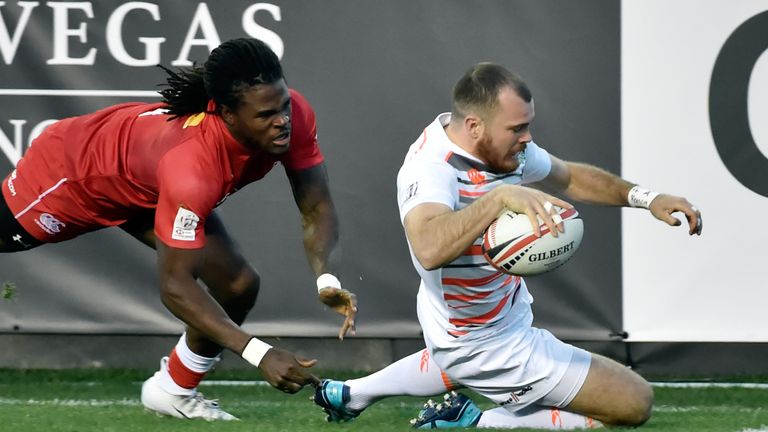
<point>343,302</point>
<point>664,205</point>
<point>286,371</point>
<point>533,203</point>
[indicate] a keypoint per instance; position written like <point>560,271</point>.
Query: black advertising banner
<point>376,73</point>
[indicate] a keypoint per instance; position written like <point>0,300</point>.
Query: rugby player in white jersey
<point>465,168</point>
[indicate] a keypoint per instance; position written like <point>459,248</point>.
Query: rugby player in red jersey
<point>158,171</point>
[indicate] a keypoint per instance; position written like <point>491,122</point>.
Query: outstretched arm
<point>321,237</point>
<point>589,184</point>
<point>191,303</point>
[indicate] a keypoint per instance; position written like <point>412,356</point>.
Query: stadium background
<point>646,101</point>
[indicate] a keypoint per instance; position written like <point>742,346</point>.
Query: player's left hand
<point>664,205</point>
<point>287,371</point>
<point>343,302</point>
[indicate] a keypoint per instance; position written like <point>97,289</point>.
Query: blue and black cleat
<point>333,396</point>
<point>456,410</point>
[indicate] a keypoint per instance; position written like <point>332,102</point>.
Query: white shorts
<point>516,370</point>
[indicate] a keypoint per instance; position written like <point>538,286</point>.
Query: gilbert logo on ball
<point>510,245</point>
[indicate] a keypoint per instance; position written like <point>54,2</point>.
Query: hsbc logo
<point>184,225</point>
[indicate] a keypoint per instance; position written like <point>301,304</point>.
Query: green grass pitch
<point>108,401</point>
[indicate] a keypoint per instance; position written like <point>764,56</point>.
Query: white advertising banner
<point>695,124</point>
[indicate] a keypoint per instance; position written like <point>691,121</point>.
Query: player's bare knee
<point>631,406</point>
<point>245,286</point>
<point>639,406</point>
<point>645,404</point>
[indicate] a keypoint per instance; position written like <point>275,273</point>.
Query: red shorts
<point>43,213</point>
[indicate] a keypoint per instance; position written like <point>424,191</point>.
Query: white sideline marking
<point>120,402</point>
<point>762,429</point>
<point>716,409</point>
<point>259,383</point>
<point>710,385</point>
<point>654,384</point>
<point>136,402</point>
<point>234,383</point>
<point>71,402</point>
<point>126,402</point>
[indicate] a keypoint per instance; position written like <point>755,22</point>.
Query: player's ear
<point>227,115</point>
<point>474,126</point>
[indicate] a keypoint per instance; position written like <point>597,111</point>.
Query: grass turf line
<point>108,401</point>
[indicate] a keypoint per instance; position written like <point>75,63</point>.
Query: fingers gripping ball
<point>511,245</point>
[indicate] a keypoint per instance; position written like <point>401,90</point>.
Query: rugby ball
<point>510,245</point>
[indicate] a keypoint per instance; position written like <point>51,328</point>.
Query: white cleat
<point>195,406</point>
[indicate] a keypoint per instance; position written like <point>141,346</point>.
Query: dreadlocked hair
<point>231,69</point>
<point>185,92</point>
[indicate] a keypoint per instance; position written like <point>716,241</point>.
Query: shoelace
<point>212,403</point>
<point>198,402</point>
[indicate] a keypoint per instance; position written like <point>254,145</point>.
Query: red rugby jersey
<point>127,158</point>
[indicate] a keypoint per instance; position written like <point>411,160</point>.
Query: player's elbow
<point>429,265</point>
<point>431,258</point>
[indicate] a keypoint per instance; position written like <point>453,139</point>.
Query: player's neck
<point>461,138</point>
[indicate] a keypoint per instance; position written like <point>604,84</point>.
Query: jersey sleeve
<point>537,163</point>
<point>304,152</point>
<point>420,182</point>
<point>187,195</point>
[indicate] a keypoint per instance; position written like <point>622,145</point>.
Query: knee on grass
<point>636,410</point>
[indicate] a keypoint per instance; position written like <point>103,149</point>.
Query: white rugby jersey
<point>467,294</point>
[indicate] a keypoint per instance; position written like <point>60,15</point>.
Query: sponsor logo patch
<point>411,192</point>
<point>516,394</point>
<point>49,224</point>
<point>11,187</point>
<point>424,362</point>
<point>184,225</point>
<point>17,238</point>
<point>475,176</point>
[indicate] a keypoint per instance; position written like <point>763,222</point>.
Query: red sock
<point>182,375</point>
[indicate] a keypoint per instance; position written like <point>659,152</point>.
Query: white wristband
<point>641,197</point>
<point>255,351</point>
<point>328,280</point>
